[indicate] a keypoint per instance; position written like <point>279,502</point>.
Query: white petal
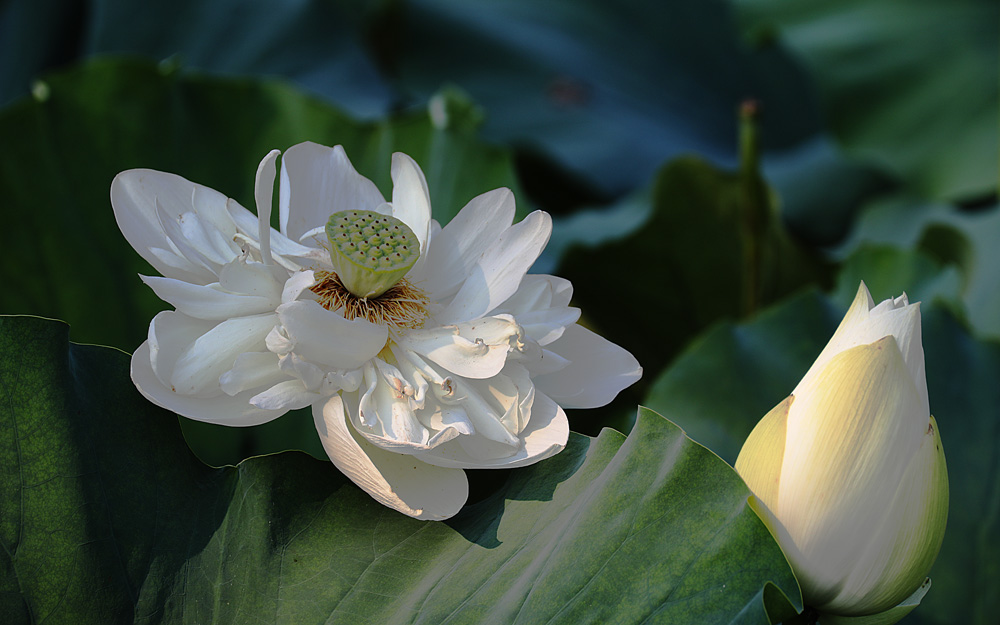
<point>222,409</point>
<point>209,301</point>
<point>281,246</point>
<point>545,435</point>
<point>296,285</point>
<point>263,190</point>
<point>459,246</point>
<point>385,416</point>
<point>212,354</point>
<point>538,292</point>
<point>865,323</point>
<point>196,240</point>
<point>252,278</point>
<point>396,480</point>
<point>317,181</point>
<point>288,395</point>
<point>326,338</point>
<point>498,273</point>
<point>134,197</point>
<point>411,201</point>
<point>473,349</point>
<point>597,372</point>
<point>170,334</point>
<point>252,370</point>
<point>860,433</point>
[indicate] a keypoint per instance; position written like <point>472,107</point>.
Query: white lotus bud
<point>849,471</point>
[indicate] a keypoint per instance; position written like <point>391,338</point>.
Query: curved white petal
<point>252,370</point>
<point>287,395</point>
<point>411,200</point>
<point>499,272</point>
<point>170,334</point>
<point>598,370</point>
<point>326,338</point>
<point>473,349</point>
<point>222,409</point>
<point>317,181</point>
<point>841,434</point>
<point>459,246</point>
<point>282,248</point>
<point>263,190</point>
<point>208,301</point>
<point>135,196</point>
<point>545,436</point>
<point>200,365</point>
<point>396,480</point>
<point>866,323</point>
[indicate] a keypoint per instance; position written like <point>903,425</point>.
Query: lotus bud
<point>849,471</point>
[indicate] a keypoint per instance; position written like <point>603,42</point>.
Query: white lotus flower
<point>850,470</point>
<point>431,354</point>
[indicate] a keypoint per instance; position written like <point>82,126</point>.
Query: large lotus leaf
<point>611,89</point>
<point>727,380</point>
<point>63,255</point>
<point>108,518</point>
<point>317,44</point>
<point>912,85</point>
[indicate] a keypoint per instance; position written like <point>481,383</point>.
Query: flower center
<point>370,252</point>
<point>401,306</point>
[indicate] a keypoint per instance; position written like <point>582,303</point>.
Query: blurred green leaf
<point>726,381</point>
<point>63,254</point>
<point>912,86</point>
<point>317,44</point>
<point>890,271</point>
<point>685,267</point>
<point>612,90</point>
<point>109,519</point>
<point>965,239</point>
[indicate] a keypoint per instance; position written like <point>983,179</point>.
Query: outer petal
<point>458,247</point>
<point>597,372</point>
<point>866,323</point>
<point>324,337</point>
<point>263,190</point>
<point>499,272</point>
<point>411,200</point>
<point>907,542</point>
<point>135,195</point>
<point>399,481</point>
<point>209,301</point>
<point>545,435</point>
<point>221,409</point>
<point>199,367</point>
<point>862,434</point>
<point>317,181</point>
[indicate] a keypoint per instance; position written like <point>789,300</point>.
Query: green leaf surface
<point>910,85</point>
<point>64,256</point>
<point>611,90</point>
<point>108,518</point>
<point>728,379</point>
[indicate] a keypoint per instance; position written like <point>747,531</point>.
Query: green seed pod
<point>370,252</point>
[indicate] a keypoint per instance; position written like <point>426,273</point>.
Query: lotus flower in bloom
<point>850,470</point>
<point>422,350</point>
